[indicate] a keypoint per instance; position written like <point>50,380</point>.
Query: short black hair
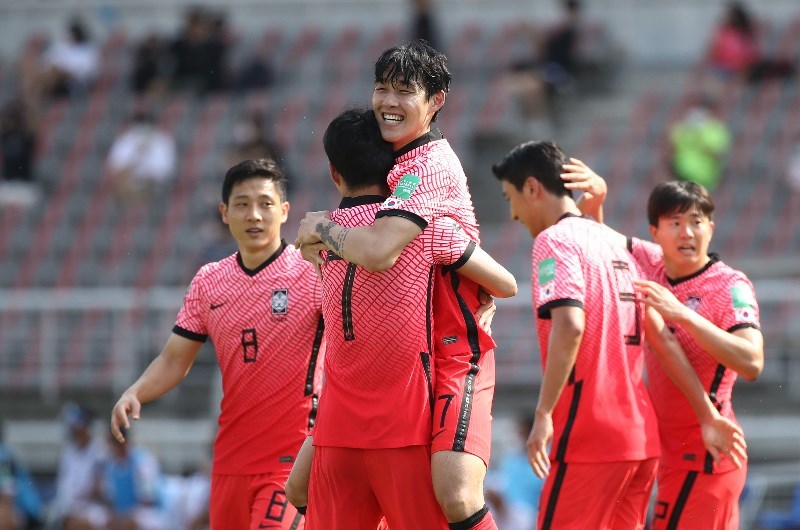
<point>260,168</point>
<point>414,63</point>
<point>543,161</point>
<point>356,149</point>
<point>678,196</point>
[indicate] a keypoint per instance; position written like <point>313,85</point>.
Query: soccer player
<point>261,307</point>
<point>714,314</point>
<point>592,402</point>
<point>428,182</point>
<point>372,437</point>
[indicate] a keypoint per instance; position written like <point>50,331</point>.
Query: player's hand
<point>541,434</point>
<point>311,252</point>
<point>485,313</point>
<point>661,299</point>
<point>307,233</point>
<point>128,405</point>
<point>580,177</point>
<point>722,437</point>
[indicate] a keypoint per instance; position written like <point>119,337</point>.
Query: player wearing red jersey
<point>714,315</point>
<point>428,182</point>
<point>592,403</point>
<point>377,425</point>
<point>261,307</point>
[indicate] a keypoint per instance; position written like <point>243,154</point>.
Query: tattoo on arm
<point>336,245</point>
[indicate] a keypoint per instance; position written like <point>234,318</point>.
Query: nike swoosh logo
<point>215,306</point>
<point>261,525</point>
<point>437,434</point>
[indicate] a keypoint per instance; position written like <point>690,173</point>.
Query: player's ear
<point>653,231</point>
<point>285,207</point>
<point>531,187</point>
<point>223,212</point>
<point>437,101</point>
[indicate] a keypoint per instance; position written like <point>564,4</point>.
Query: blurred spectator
<point>17,141</point>
<point>20,505</point>
<point>141,159</point>
<point>521,485</point>
<point>78,462</point>
<point>17,149</point>
<point>199,52</point>
<point>700,142</point>
<point>423,23</point>
<point>127,484</point>
<point>256,72</point>
<point>735,50</point>
<point>559,55</point>
<point>70,66</point>
<point>149,74</point>
<point>251,141</point>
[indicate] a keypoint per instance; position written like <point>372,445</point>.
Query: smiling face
<point>254,214</point>
<point>684,239</point>
<point>404,112</point>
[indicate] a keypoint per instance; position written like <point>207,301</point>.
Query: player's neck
<point>375,189</point>
<point>252,259</point>
<point>676,271</point>
<point>557,207</point>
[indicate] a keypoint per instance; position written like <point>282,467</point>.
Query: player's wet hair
<point>260,168</point>
<point>414,63</point>
<point>356,149</point>
<point>543,161</point>
<point>678,196</point>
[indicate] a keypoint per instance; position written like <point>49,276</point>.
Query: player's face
<point>684,238</point>
<point>254,214</point>
<point>404,113</point>
<point>519,204</point>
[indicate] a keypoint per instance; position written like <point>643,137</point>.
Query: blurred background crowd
<point>118,120</point>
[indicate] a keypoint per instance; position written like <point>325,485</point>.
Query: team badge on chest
<point>280,302</point>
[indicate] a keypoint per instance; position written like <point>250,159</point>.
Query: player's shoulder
<point>723,275</point>
<point>216,268</point>
<point>294,262</point>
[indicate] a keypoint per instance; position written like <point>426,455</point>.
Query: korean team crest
<point>693,303</point>
<point>404,189</point>
<point>280,301</point>
<point>547,278</point>
<point>743,303</point>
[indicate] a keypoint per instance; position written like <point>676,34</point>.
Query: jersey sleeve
<point>648,256</point>
<point>418,194</point>
<point>738,308</point>
<point>447,243</point>
<point>558,275</point>
<point>191,321</point>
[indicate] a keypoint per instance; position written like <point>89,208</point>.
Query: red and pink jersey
<point>377,391</point>
<point>428,182</point>
<point>266,327</point>
<point>604,413</point>
<point>723,296</point>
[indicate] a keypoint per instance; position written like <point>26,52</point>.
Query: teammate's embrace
<point>261,307</point>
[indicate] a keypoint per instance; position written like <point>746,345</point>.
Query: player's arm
<point>486,272</point>
<point>741,350</point>
<point>161,376</point>
<point>566,333</point>
<point>720,435</point>
<point>297,483</point>
<point>374,247</point>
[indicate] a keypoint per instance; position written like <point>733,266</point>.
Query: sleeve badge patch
<point>743,303</point>
<point>547,278</point>
<point>402,192</point>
